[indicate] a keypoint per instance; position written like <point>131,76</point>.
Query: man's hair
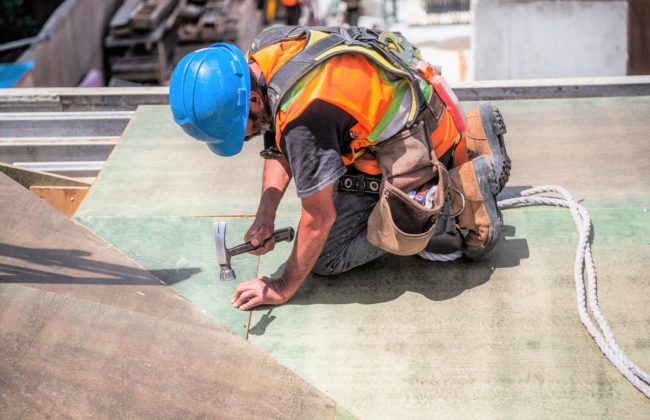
<point>261,123</point>
<point>256,86</point>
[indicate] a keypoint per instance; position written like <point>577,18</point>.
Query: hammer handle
<point>279,235</point>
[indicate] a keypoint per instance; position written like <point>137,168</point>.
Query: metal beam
<point>81,99</point>
<point>128,98</point>
<point>591,87</point>
<point>72,169</point>
<point>63,124</point>
<point>46,149</point>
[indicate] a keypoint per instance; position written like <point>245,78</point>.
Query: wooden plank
<point>141,17</point>
<point>28,177</point>
<point>148,39</point>
<point>136,64</point>
<point>65,357</point>
<point>150,14</point>
<point>122,17</point>
<point>41,248</point>
<point>64,199</point>
<point>82,322</point>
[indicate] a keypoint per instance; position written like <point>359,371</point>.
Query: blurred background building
<point>123,42</point>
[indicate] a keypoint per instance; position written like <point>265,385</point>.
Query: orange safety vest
<point>289,3</point>
<point>355,84</point>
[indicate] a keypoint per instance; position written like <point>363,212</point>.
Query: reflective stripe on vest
<point>323,43</point>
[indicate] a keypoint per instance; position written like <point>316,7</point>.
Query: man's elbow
<point>318,211</point>
<point>328,219</point>
<point>320,220</point>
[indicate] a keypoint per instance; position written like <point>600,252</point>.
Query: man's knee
<point>327,267</point>
<point>356,252</point>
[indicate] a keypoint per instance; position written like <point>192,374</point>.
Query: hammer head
<point>223,254</point>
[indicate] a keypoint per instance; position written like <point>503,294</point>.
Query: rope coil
<point>587,294</point>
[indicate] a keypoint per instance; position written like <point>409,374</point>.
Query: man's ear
<point>257,102</point>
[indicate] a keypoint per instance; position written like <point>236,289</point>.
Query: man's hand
<point>317,216</point>
<point>260,291</point>
<point>261,232</point>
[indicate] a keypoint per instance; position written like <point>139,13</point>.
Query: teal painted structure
<point>10,74</point>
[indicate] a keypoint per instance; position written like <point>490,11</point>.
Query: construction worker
<point>333,110</point>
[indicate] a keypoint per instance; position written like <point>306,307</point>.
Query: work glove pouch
<point>398,224</point>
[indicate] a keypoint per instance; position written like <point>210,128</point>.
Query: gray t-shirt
<point>313,144</point>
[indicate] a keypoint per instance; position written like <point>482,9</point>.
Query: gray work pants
<point>347,245</point>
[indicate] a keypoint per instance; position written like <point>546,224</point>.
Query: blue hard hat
<point>209,94</point>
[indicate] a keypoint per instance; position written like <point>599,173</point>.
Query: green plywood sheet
<point>500,338</point>
<point>343,414</point>
<point>403,337</point>
<point>157,170</point>
<point>181,252</point>
<point>596,148</point>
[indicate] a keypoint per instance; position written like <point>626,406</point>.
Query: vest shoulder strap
<point>274,35</point>
<point>323,43</point>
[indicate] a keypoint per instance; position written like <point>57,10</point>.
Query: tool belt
<point>359,184</point>
<point>398,224</point>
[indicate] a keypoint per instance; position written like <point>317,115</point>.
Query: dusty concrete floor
<point>403,337</point>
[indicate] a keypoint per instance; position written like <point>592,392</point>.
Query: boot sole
<point>495,128</point>
<point>488,186</point>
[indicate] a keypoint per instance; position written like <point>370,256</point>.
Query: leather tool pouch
<point>405,158</point>
<point>398,224</point>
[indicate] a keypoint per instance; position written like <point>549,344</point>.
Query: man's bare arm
<point>317,217</point>
<point>275,180</point>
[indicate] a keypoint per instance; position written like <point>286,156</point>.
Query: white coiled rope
<point>587,294</point>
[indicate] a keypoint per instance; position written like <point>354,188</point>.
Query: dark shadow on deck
<point>389,277</point>
<point>72,266</point>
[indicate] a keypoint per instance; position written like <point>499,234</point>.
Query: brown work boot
<point>484,137</point>
<point>474,201</point>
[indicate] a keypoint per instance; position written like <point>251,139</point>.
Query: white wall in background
<point>527,39</point>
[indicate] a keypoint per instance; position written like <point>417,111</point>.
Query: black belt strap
<point>359,184</point>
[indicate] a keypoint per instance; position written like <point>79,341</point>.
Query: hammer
<point>224,253</point>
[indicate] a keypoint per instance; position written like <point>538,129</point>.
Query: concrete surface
<point>524,39</point>
<point>402,337</point>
